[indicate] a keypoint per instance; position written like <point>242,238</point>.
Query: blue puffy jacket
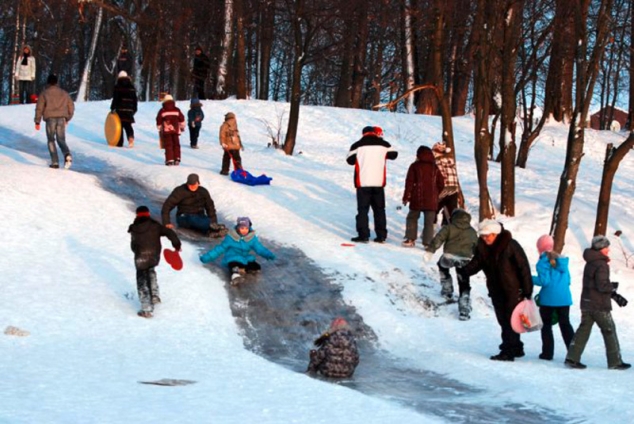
<point>237,248</point>
<point>555,281</point>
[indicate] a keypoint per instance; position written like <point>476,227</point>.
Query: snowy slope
<point>68,275</point>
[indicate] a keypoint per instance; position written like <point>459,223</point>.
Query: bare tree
<point>613,157</point>
<point>227,46</point>
<point>484,31</point>
<point>510,43</point>
<point>586,70</point>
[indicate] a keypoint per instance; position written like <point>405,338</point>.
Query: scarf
<point>25,59</point>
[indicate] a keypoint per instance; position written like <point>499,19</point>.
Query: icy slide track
<point>282,310</point>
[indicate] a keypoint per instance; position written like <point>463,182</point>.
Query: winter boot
<point>464,306</point>
<point>237,275</point>
<point>145,314</point>
<point>68,162</point>
<point>408,243</point>
<point>446,284</point>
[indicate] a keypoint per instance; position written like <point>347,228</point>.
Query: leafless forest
<point>512,64</point>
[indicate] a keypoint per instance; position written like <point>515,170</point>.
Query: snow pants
<point>411,225</point>
<point>147,288</point>
<point>172,146</point>
<point>608,330</point>
<point>371,197</point>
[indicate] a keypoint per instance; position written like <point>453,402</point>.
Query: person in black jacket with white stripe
<point>369,156</point>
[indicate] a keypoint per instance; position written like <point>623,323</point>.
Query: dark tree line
<point>513,64</point>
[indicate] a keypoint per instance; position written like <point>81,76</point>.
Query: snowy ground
<point>68,279</point>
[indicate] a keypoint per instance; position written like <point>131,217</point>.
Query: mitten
<point>620,300</point>
<point>428,256</point>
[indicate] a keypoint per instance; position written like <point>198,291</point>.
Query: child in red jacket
<point>170,122</point>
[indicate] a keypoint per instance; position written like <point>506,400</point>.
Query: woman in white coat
<point>25,75</point>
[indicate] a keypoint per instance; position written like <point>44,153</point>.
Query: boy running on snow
<point>146,244</point>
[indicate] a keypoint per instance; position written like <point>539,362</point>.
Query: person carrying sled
<point>231,143</point>
<point>336,355</point>
<point>170,123</point>
<point>25,75</point>
<point>459,240</point>
<point>236,247</point>
<point>555,298</point>
<point>124,103</point>
<point>596,307</point>
<point>195,208</point>
<point>368,156</point>
<point>448,197</point>
<point>423,185</point>
<point>55,106</point>
<point>508,276</point>
<point>195,117</point>
<point>146,236</point>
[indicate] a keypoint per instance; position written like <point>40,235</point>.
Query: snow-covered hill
<point>68,277</point>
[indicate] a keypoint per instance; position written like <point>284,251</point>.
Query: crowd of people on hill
<point>431,189</point>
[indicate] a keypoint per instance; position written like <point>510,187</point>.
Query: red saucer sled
<point>173,258</point>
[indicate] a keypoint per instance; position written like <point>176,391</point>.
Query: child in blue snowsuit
<point>195,118</point>
<point>236,247</point>
<point>553,276</point>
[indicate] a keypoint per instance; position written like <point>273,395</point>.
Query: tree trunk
<point>84,87</point>
<point>360,72</point>
<point>508,148</point>
<point>630,115</point>
<point>227,45</point>
<point>296,89</point>
<point>482,98</point>
<point>613,158</point>
<point>586,70</point>
<point>241,66</point>
<point>408,53</point>
<point>266,29</point>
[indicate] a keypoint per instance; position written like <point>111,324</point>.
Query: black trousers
<point>251,266</point>
<point>567,332</point>
<point>371,197</point>
<point>511,343</point>
<point>129,132</point>
<point>194,132</point>
<point>226,159</point>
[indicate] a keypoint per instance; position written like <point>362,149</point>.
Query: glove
<point>428,256</point>
<point>37,127</point>
<point>224,146</point>
<point>271,258</point>
<point>620,300</point>
<point>214,226</point>
<point>158,128</point>
<point>193,124</point>
<point>615,286</point>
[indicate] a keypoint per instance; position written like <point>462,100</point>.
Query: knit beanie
<point>142,211</point>
<point>489,226</point>
<point>243,221</point>
<point>545,244</point>
<point>600,242</point>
